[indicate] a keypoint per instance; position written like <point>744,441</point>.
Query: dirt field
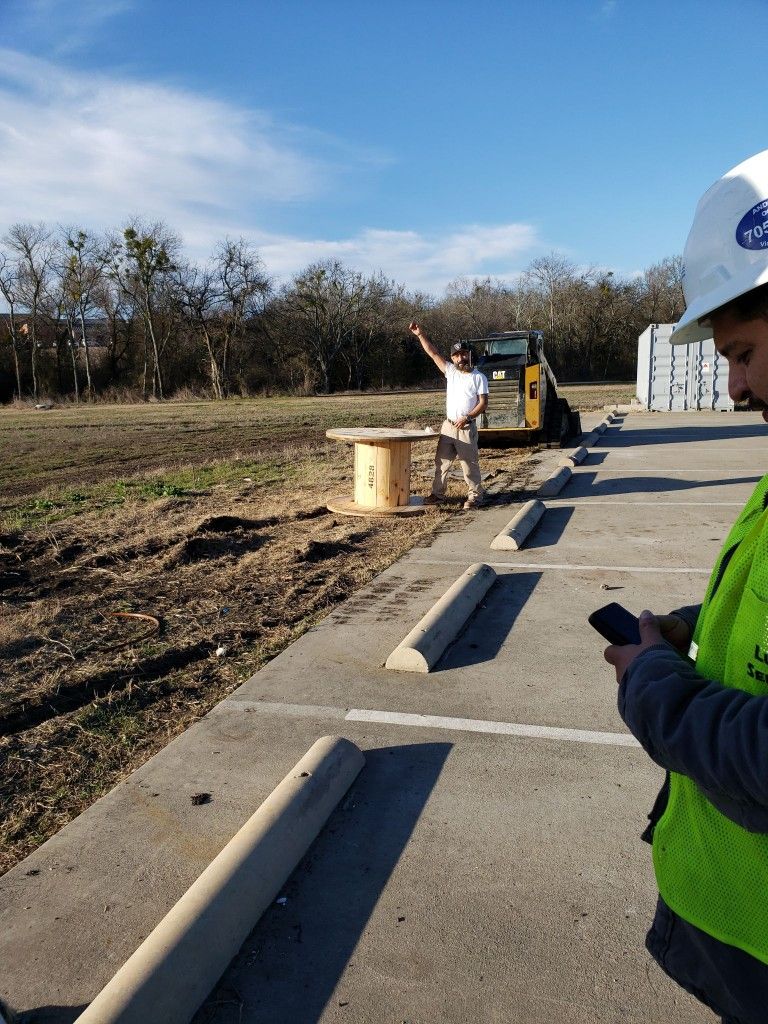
<point>153,557</point>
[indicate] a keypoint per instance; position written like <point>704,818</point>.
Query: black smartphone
<point>616,624</point>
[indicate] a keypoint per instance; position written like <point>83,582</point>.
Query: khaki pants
<point>461,445</point>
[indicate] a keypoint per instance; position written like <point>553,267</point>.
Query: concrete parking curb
<point>514,534</point>
<point>178,964</point>
<point>425,643</point>
<point>604,423</point>
<point>555,482</point>
<point>577,455</point>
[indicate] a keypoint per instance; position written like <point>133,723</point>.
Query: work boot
<point>431,499</point>
<point>473,502</point>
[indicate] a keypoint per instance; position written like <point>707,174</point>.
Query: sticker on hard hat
<point>752,232</point>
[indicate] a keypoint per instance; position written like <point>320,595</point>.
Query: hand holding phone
<point>616,624</point>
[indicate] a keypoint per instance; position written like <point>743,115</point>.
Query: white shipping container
<point>673,378</point>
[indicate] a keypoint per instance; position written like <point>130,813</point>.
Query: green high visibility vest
<point>712,872</point>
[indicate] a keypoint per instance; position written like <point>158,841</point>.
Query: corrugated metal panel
<point>643,361</point>
<point>673,378</point>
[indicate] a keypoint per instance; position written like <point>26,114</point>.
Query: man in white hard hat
<point>466,397</point>
<point>705,717</point>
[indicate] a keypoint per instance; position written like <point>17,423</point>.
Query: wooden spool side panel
<point>362,491</point>
<point>382,474</point>
<point>396,490</point>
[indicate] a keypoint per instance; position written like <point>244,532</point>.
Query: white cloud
<point>88,151</point>
<point>92,150</point>
<point>421,262</point>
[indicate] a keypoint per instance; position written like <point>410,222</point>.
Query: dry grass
<point>588,397</point>
<point>210,517</point>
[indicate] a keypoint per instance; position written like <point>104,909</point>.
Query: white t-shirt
<point>463,391</point>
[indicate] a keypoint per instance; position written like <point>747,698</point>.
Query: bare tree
<point>323,305</point>
<point>551,276</point>
<point>84,262</point>
<point>478,306</point>
<point>33,249</point>
<point>55,311</point>
<point>221,300</point>
<point>661,291</point>
<point>523,306</point>
<point>373,320</point>
<point>144,265</point>
<point>116,311</point>
<point>9,289</point>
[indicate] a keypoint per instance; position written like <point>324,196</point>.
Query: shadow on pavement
<point>49,1015</point>
<point>291,963</point>
<point>550,527</point>
<point>491,624</point>
<point>630,436</point>
<point>582,485</point>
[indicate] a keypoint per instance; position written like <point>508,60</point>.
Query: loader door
<point>533,396</point>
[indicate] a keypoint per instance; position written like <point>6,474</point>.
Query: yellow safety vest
<point>712,872</point>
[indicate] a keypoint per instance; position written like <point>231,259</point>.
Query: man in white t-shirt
<point>466,397</point>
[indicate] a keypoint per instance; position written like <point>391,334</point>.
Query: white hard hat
<point>726,253</point>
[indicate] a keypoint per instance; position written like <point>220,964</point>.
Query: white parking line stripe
<point>615,739</point>
<point>547,732</point>
<point>586,502</point>
<point>600,469</point>
<point>559,565</point>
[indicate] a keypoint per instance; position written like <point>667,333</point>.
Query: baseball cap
<point>460,346</point>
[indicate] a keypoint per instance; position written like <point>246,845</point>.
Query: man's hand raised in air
<point>427,345</point>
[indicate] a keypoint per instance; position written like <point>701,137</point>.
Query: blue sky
<point>430,140</point>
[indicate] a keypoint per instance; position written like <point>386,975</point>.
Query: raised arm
<point>428,347</point>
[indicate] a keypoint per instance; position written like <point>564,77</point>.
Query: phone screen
<point>616,624</point>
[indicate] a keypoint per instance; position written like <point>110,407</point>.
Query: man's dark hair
<point>752,305</point>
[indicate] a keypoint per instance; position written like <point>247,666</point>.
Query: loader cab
<point>511,344</point>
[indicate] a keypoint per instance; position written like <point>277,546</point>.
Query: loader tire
<point>574,425</point>
<point>555,422</point>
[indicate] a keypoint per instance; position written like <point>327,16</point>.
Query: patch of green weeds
<point>42,505</point>
<point>55,506</point>
<point>148,650</point>
<point>46,510</point>
<point>161,489</point>
<point>114,721</point>
<point>191,481</point>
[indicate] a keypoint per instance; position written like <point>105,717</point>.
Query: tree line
<point>125,314</point>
